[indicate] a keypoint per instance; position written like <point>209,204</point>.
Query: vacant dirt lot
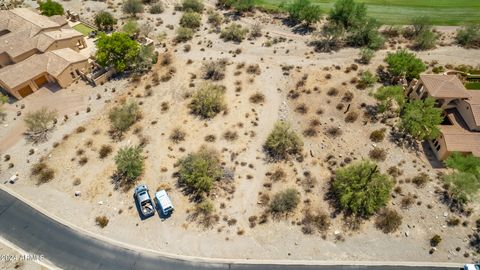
<point>309,90</point>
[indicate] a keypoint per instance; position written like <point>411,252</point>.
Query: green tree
<point>304,11</point>
<point>388,96</point>
<point>3,100</point>
<point>40,121</point>
<point>469,36</point>
<point>284,201</point>
<point>361,189</point>
<point>282,141</point>
<point>124,116</point>
<point>191,20</point>
<point>192,5</point>
<point>208,101</point>
<point>104,20</point>
<point>402,63</point>
<point>348,13</point>
<point>117,50</point>
<point>50,8</point>
<point>420,118</point>
<point>132,7</point>
<point>366,34</point>
<point>243,5</point>
<point>198,171</point>
<point>464,163</point>
<point>129,161</point>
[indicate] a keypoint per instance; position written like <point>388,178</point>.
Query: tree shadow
<point>431,157</point>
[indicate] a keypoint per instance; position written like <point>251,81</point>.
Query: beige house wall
<point>439,148</point>
<point>466,111</point>
<point>66,78</point>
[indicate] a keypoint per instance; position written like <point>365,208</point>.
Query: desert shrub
<point>284,201</point>
<point>282,141</point>
<point>310,132</point>
<point>435,240</point>
<point>469,36</point>
<point>190,20</point>
<point>157,8</point>
<point>407,201</point>
<point>233,32</point>
<point>257,98</point>
<point>453,221</point>
<point>253,69</point>
<point>425,40</point>
<point>130,162</point>
<point>214,70</point>
<point>378,154</point>
<point>332,92</point>
<point>132,7</point>
<point>390,97</point>
<point>38,168</point>
<point>198,171</point>
<point>256,30</point>
<point>367,79</point>
<point>388,220</point>
<point>304,11</point>
<point>230,135</point>
<point>301,108</point>
<point>104,20</point>
<point>177,135</point>
<point>320,221</point>
<point>279,174</point>
<point>377,135</point>
<point>208,101</point>
<point>351,117</point>
<point>39,123</point>
<point>214,18</point>
<point>104,151</point>
<point>361,189</point>
<point>404,63</point>
<point>330,38</point>
<point>366,35</point>
<point>421,180</point>
<point>42,172</point>
<point>192,5</point>
<point>124,116</point>
<point>184,34</point>
<point>366,55</point>
<point>101,221</point>
<point>334,132</point>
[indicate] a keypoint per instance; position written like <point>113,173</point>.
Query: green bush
<point>469,36</point>
<point>208,101</point>
<point>198,171</point>
<point>378,154</point>
<point>420,118</point>
<point>124,116</point>
<point>131,27</point>
<point>40,121</point>
<point>283,141</point>
<point>377,135</point>
<point>192,5</point>
<point>104,20</point>
<point>101,221</point>
<point>304,11</point>
<point>402,63</point>
<point>191,20</point>
<point>50,8</point>
<point>184,34</point>
<point>366,35</point>
<point>390,96</point>
<point>464,163</point>
<point>462,187</point>
<point>129,161</point>
<point>425,41</point>
<point>234,32</point>
<point>361,189</point>
<point>435,240</point>
<point>348,13</point>
<point>284,201</point>
<point>388,220</point>
<point>214,70</point>
<point>214,18</point>
<point>366,55</point>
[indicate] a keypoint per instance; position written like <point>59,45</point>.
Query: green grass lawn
<point>441,12</point>
<point>82,28</point>
<point>473,85</point>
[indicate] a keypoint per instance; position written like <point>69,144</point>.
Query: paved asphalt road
<point>36,233</point>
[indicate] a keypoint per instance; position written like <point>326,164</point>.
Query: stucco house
<point>35,49</point>
<point>460,130</point>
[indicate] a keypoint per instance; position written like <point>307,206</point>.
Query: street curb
<point>218,260</point>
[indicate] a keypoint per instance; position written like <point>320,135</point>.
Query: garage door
<point>25,91</point>
<point>40,81</point>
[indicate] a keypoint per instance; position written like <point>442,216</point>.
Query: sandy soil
<point>278,239</point>
<point>11,259</point>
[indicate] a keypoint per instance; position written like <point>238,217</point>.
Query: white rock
<point>336,232</point>
<point>445,214</point>
<point>78,193</point>
<point>100,202</point>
